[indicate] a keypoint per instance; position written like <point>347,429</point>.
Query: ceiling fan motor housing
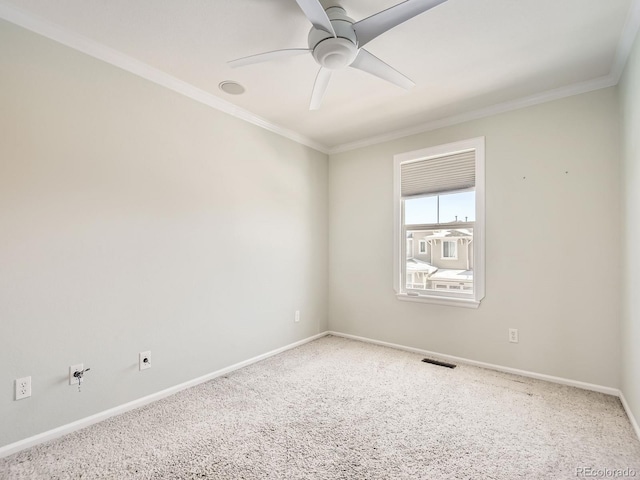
<point>339,51</point>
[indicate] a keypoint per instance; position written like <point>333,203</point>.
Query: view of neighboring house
<point>440,259</point>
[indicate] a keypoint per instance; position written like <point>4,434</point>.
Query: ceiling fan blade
<point>319,87</point>
<point>267,56</point>
<point>369,28</point>
<point>316,15</point>
<point>369,63</point>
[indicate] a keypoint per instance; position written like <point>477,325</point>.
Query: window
<point>449,249</point>
<point>409,247</point>
<point>439,202</point>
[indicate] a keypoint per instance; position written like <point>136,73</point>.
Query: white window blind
<point>440,174</point>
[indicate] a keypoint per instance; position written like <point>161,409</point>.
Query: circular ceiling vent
<point>232,88</point>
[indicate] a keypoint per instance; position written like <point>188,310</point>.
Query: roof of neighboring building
<point>461,232</point>
<point>415,265</point>
<point>453,275</point>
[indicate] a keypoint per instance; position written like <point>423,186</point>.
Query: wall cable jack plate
<point>144,360</point>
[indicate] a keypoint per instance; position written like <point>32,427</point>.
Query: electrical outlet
<point>144,360</point>
<point>73,369</point>
<point>513,335</point>
<point>297,316</point>
<point>23,388</point>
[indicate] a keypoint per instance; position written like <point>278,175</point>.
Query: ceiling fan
<point>336,41</point>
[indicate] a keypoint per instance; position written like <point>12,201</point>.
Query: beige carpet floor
<point>340,409</point>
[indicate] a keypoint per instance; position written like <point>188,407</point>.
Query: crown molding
<point>627,37</point>
<point>623,50</point>
<point>95,49</point>
<point>538,98</point>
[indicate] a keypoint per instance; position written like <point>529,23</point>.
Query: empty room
<point>319,239</point>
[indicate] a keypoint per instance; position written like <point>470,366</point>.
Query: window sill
<point>436,300</point>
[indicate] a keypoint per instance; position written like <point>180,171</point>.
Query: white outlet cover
<point>73,369</point>
<point>297,316</point>
<point>513,335</point>
<point>142,365</point>
<point>23,388</point>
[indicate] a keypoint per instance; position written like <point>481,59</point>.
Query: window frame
<point>399,254</point>
<point>422,247</point>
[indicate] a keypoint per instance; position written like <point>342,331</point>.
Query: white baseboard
<point>539,376</point>
<point>632,419</point>
<point>524,373</point>
<point>98,417</point>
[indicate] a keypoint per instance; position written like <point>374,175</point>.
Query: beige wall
<point>541,274</point>
<point>630,111</point>
<point>130,220</point>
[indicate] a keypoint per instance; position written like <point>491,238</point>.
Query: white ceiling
<point>465,56</point>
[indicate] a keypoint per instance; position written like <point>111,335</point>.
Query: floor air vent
<point>439,363</point>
